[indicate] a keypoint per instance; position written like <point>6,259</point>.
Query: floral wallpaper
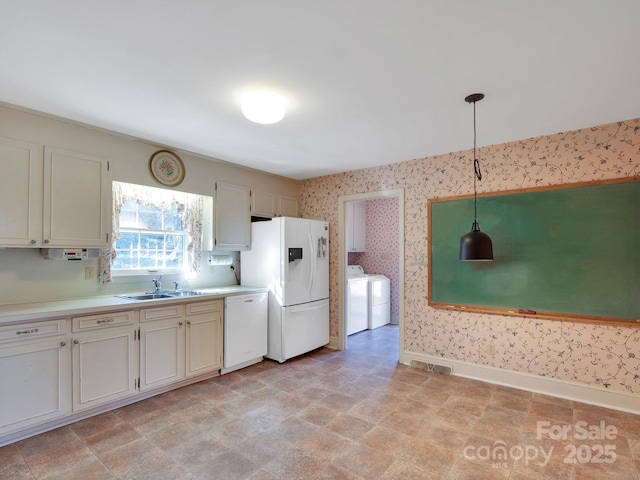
<point>602,355</point>
<point>381,256</point>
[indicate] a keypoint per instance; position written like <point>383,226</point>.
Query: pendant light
<point>475,245</point>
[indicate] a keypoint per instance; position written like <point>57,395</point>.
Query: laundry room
<point>372,243</point>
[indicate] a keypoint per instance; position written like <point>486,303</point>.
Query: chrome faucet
<point>158,284</point>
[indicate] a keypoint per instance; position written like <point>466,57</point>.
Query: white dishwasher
<point>245,330</point>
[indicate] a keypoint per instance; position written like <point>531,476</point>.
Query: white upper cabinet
<point>288,206</point>
<point>20,193</point>
<point>52,198</point>
<point>356,227</point>
<point>77,194</point>
<point>269,204</point>
<point>263,204</point>
<point>232,212</point>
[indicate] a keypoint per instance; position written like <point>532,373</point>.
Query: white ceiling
<point>368,82</point>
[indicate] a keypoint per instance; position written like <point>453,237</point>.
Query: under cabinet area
<point>51,197</point>
<point>34,368</point>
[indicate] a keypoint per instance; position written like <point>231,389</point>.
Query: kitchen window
<point>155,231</point>
<point>152,237</point>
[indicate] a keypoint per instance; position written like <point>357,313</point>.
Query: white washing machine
<point>357,301</point>
<point>378,297</point>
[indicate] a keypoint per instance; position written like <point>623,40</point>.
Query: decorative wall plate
<point>167,168</point>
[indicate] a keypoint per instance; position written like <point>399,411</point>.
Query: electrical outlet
<point>89,273</point>
<point>418,259</point>
<point>491,348</point>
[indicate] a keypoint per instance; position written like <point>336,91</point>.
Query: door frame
<point>342,262</point>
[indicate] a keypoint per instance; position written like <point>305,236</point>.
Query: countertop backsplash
<point>27,277</point>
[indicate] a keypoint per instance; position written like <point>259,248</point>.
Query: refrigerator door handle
<point>312,270</point>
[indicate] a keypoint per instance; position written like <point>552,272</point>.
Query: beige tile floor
<point>355,414</point>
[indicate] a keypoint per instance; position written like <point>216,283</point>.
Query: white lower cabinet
<point>104,366</point>
<point>52,369</point>
<point>161,346</point>
<point>204,337</point>
<point>34,373</point>
<point>179,341</point>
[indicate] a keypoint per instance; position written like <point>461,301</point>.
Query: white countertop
<point>34,311</point>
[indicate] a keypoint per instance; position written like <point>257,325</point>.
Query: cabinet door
<point>20,193</point>
<point>359,227</point>
<point>288,207</point>
<point>204,343</point>
<point>232,217</point>
<point>161,353</point>
<point>35,383</point>
<point>263,204</point>
<point>104,366</point>
<point>77,195</point>
<point>348,226</point>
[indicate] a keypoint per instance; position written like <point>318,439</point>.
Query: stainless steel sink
<point>165,294</point>
<point>184,293</point>
<point>146,296</point>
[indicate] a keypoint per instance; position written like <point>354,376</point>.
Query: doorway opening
<point>383,254</point>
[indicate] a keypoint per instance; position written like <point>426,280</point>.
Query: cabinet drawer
<point>103,320</point>
<point>197,308</point>
<point>161,313</point>
<point>29,331</point>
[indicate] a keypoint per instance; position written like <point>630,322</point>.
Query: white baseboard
<point>626,402</point>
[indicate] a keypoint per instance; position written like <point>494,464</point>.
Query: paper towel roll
<point>220,260</point>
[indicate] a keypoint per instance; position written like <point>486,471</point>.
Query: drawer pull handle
<point>108,320</point>
<point>26,332</point>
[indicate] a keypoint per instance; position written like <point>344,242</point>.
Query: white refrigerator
<point>290,256</point>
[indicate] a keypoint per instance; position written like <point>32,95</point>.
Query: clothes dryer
<point>379,293</point>
<point>378,296</point>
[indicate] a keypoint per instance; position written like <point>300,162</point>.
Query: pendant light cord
<point>477,174</point>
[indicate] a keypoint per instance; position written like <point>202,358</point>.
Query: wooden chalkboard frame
<point>518,310</point>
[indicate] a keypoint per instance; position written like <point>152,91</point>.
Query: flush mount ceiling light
<point>263,106</point>
<point>475,245</point>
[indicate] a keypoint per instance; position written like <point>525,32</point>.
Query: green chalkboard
<point>569,251</point>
